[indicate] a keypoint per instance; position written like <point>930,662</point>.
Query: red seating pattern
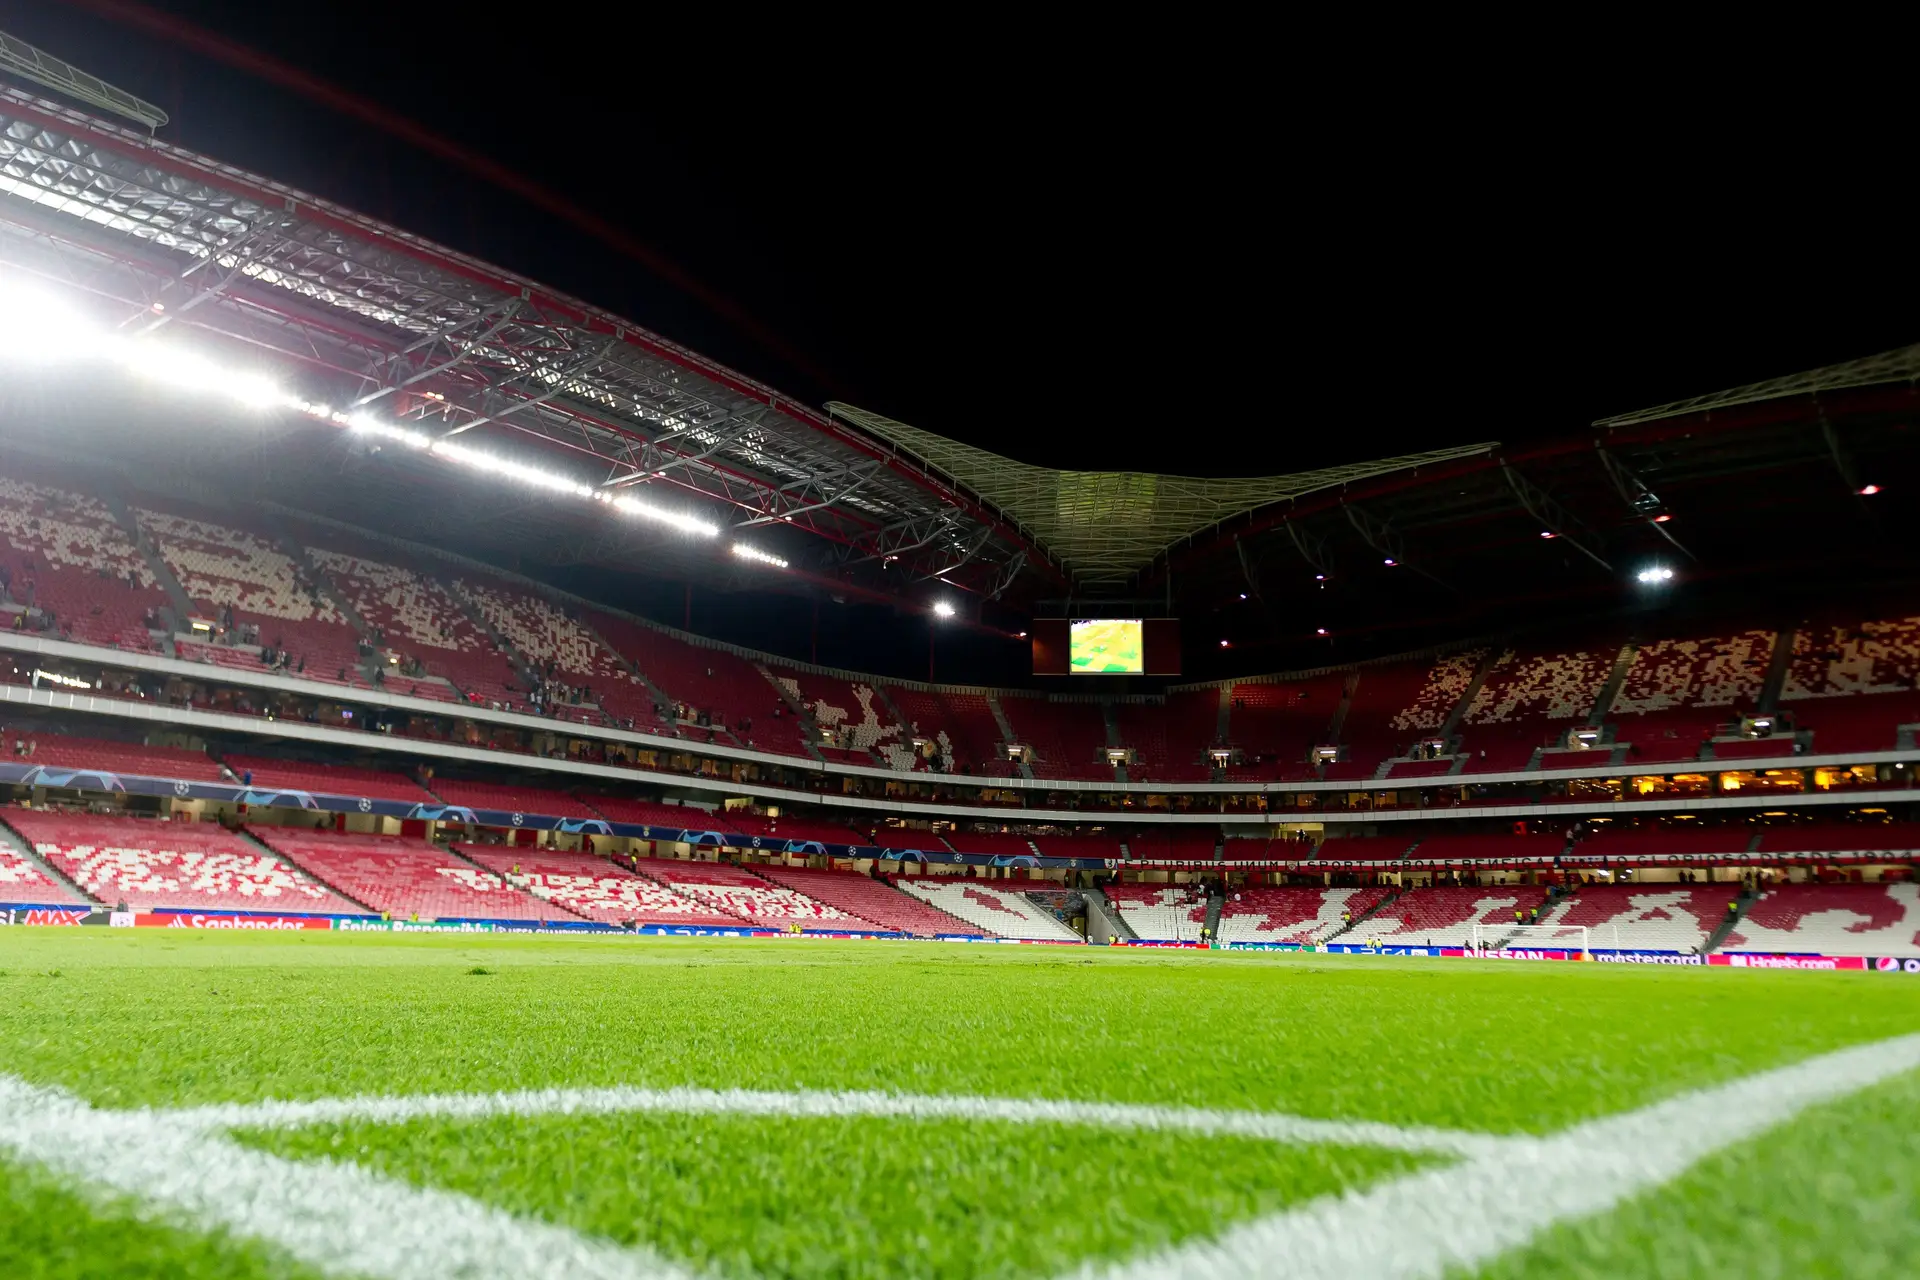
<point>147,863</point>
<point>1369,735</point>
<point>1289,914</point>
<point>1169,741</point>
<point>67,553</point>
<point>1656,916</point>
<point>868,899</point>
<point>1445,916</point>
<point>855,714</point>
<point>1069,738</point>
<point>595,889</point>
<point>1172,843</point>
<point>507,799</point>
<point>1447,682</point>
<point>960,725</point>
<point>65,752</point>
<point>1843,837</point>
<point>740,893</point>
<point>729,688</point>
<point>407,877</point>
<point>1280,724</point>
<point>222,567</point>
<point>1832,920</point>
<point>22,882</point>
<point>547,638</point>
<point>416,616</point>
<point>328,779</point>
<point>1853,685</point>
<point>1107,846</point>
<point>1530,698</point>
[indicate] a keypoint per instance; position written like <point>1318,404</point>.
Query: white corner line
<point>620,1099</point>
<point>1425,1225</point>
<point>336,1217</point>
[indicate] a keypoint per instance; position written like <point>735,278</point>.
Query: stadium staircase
<point>176,594</point>
<point>322,585</point>
<point>1603,701</point>
<point>1216,903</point>
<point>1110,716</point>
<point>477,616</point>
<point>1006,731</point>
<point>1392,897</point>
<point>662,704</point>
<point>267,851</point>
<point>18,844</point>
<point>1117,925</point>
<point>1450,727</point>
<point>1728,924</point>
<point>798,708</point>
<point>1776,679</point>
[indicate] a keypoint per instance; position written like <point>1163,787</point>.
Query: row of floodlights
<point>37,329</point>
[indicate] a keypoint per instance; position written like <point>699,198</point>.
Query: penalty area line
<point>812,1104</point>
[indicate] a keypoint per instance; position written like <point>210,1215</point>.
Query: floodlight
<point>941,609</point>
<point>1868,490</point>
<point>746,552</point>
<point>1654,575</point>
<point>1390,562</point>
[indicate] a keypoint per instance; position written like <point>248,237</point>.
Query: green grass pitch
<point>144,1026</point>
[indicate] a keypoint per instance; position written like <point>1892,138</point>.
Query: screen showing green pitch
<point>1106,647</point>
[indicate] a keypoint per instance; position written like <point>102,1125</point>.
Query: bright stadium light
<point>1654,575</point>
<point>38,328</point>
<point>746,552</point>
<point>1868,490</point>
<point>941,609</point>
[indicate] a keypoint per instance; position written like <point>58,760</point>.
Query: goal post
<point>1545,937</point>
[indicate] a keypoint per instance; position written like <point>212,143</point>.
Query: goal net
<point>1546,937</point>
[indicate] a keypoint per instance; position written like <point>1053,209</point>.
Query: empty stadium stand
<point>562,647</point>
<point>65,552</point>
<point>415,615</point>
<point>1854,684</point>
<point>748,897</point>
<point>508,799</point>
<point>63,752</point>
<point>960,726</point>
<point>655,814</point>
<point>1069,739</point>
<point>1657,840</point>
<point>871,900</point>
<point>1004,913</point>
<point>1444,916</point>
<point>729,689</point>
<point>1276,726</point>
<point>23,883</point>
<point>786,828</point>
<point>595,889</point>
<point>1290,914</point>
<point>1841,838</point>
<point>406,877</point>
<point>1530,698</point>
<point>327,779</point>
<point>150,864</point>
<point>998,845</point>
<point>855,714</point>
<point>1160,913</point>
<point>1832,920</point>
<point>1649,917</point>
<point>1371,732</point>
<point>1678,692</point>
<point>1170,741</point>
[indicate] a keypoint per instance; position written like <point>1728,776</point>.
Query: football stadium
<point>488,790</point>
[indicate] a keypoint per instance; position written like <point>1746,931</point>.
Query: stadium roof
<point>367,315</point>
<point>1108,526</point>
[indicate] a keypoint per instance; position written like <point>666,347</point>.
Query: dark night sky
<point>1093,249</point>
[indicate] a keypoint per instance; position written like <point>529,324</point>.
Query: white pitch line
<point>335,1217</point>
<point>1461,1216</point>
<point>811,1104</point>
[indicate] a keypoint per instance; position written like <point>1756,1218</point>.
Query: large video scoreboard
<point>1106,646</point>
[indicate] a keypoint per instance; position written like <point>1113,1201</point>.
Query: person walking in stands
<point>1533,915</point>
<point>1519,916</point>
